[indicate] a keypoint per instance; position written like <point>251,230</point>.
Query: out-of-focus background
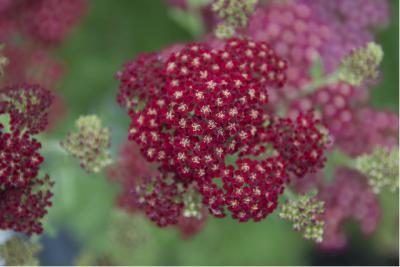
<point>112,33</point>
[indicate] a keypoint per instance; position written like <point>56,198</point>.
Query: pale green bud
<point>381,167</point>
<point>234,14</point>
<point>305,214</point>
<point>90,144</point>
<point>192,204</point>
<point>361,64</point>
<point>18,252</point>
<point>3,60</point>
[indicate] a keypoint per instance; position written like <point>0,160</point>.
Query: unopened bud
<point>361,64</point>
<point>90,144</point>
<point>381,167</point>
<point>305,213</point>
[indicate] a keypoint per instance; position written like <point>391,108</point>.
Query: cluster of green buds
<point>90,144</point>
<point>361,64</point>
<point>305,212</point>
<point>192,203</point>
<point>234,14</point>
<point>381,167</point>
<point>19,252</point>
<point>3,60</point>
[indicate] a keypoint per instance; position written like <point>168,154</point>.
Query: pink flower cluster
<point>348,198</point>
<point>202,106</point>
<point>45,21</point>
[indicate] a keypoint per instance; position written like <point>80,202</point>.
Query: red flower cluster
<point>299,142</point>
<point>28,106</point>
<point>203,105</point>
<point>24,197</point>
<point>20,159</point>
<point>160,198</point>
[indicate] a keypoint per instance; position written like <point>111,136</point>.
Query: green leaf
<point>190,21</point>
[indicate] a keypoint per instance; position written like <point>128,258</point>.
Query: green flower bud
<point>3,60</point>
<point>90,144</point>
<point>381,167</point>
<point>305,212</point>
<point>18,252</point>
<point>362,64</point>
<point>192,203</point>
<point>234,14</point>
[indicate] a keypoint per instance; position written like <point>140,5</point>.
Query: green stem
<point>289,194</point>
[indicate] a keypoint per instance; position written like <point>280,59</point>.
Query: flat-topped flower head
<point>199,107</point>
<point>27,105</point>
<point>90,144</point>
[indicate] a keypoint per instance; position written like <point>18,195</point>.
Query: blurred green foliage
<point>112,33</point>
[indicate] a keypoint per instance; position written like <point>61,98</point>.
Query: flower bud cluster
<point>381,167</point>
<point>306,215</point>
<point>18,252</point>
<point>90,144</point>
<point>361,64</point>
<point>234,14</point>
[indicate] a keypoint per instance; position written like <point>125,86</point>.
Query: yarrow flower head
<point>234,14</point>
<point>306,215</point>
<point>195,109</point>
<point>381,167</point>
<point>361,64</point>
<point>90,144</point>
